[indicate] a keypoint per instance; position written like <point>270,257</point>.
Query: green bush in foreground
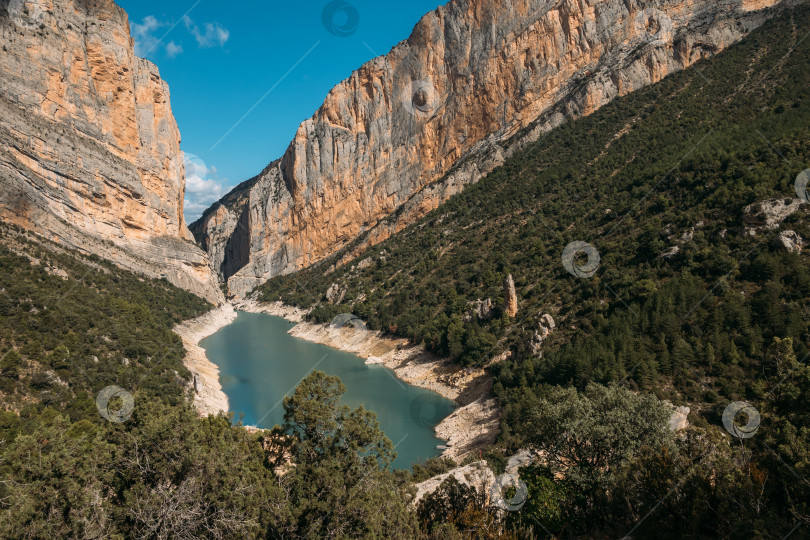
<point>166,473</point>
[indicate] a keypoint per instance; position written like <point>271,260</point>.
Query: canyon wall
<point>475,80</point>
<point>89,148</point>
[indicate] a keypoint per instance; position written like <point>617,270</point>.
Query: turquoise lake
<point>260,364</point>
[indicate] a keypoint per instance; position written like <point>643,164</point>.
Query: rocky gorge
<point>476,81</point>
<point>92,159</point>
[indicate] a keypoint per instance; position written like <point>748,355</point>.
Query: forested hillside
<point>73,325</point>
<point>688,192</point>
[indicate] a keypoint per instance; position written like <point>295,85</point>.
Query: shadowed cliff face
<point>476,79</point>
<point>89,148</point>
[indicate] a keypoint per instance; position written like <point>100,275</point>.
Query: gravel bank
<point>208,395</point>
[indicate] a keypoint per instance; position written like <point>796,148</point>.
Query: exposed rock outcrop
<point>335,293</point>
<point>769,214</point>
<point>476,475</point>
<point>789,241</point>
<point>478,309</point>
<point>510,297</point>
<point>476,81</point>
<point>89,148</point>
<point>545,327</point>
<point>670,252</point>
<point>678,421</point>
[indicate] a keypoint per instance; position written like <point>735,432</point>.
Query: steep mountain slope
<point>89,149</point>
<point>686,207</point>
<point>661,183</point>
<point>472,74</point>
<point>75,324</point>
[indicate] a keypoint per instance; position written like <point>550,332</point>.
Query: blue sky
<point>244,76</point>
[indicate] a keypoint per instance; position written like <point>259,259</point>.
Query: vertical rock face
<point>89,148</point>
<point>510,297</point>
<point>475,80</point>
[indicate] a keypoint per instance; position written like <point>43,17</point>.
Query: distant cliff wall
<point>89,148</point>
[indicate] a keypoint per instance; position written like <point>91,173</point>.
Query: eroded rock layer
<point>89,148</point>
<point>475,80</point>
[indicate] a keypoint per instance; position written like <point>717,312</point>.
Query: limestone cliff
<point>89,148</point>
<point>475,80</point>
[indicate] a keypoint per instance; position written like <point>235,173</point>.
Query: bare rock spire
<point>511,306</point>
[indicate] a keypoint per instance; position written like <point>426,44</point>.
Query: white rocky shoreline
<point>471,427</point>
<point>209,398</point>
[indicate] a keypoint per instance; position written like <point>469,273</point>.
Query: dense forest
<point>698,299</point>
<point>73,325</point>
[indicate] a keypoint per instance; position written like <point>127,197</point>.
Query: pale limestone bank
<point>278,309</point>
<point>209,398</point>
<point>476,475</point>
<point>473,426</point>
<point>479,476</point>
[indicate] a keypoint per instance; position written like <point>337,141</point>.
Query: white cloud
<point>201,191</point>
<point>215,34</point>
<point>143,33</point>
<point>193,210</point>
<point>173,49</point>
<point>146,42</point>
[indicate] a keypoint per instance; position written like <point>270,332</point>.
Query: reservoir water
<point>260,364</point>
